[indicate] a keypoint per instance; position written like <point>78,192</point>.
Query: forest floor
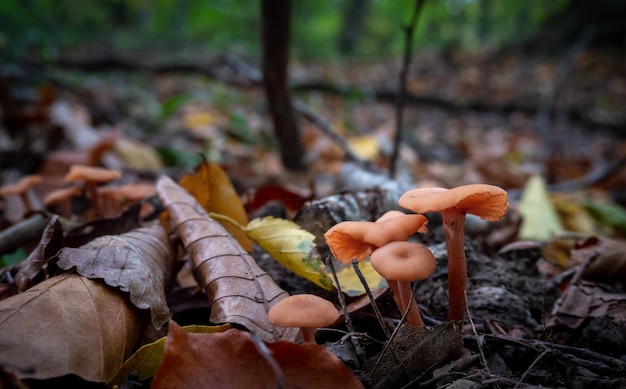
<point>543,310</point>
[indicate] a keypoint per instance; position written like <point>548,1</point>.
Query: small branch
<point>401,96</point>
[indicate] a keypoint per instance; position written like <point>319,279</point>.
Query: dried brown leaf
<point>235,362</point>
<point>140,262</point>
<point>239,291</point>
<point>67,324</point>
<point>604,258</point>
<point>34,267</point>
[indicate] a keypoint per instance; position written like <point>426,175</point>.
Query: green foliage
<point>187,28</point>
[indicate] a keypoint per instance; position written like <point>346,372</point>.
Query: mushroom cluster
<point>395,259</point>
<point>401,262</point>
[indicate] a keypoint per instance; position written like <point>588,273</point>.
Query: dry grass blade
<point>239,291</point>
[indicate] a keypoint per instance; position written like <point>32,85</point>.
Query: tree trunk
<point>353,22</point>
<point>275,64</point>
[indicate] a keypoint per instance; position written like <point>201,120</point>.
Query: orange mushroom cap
<point>357,239</point>
<point>20,186</point>
<point>403,261</point>
<point>90,173</point>
<point>303,310</point>
<point>489,202</point>
<point>346,241</point>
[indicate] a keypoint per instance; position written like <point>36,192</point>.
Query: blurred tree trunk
<point>275,38</point>
<point>354,15</point>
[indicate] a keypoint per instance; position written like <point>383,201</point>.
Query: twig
<point>326,128</point>
<point>530,368</point>
<point>401,98</point>
<point>381,320</point>
<point>346,315</point>
<point>266,353</point>
<point>479,341</point>
<point>549,95</point>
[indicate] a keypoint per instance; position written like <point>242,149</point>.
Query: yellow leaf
<point>215,193</point>
<point>138,156</point>
<point>197,120</point>
<point>145,361</point>
<point>366,147</point>
<point>539,218</point>
<point>350,283</point>
<point>294,248</point>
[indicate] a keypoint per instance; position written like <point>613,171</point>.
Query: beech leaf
<point>146,360</point>
<point>238,290</point>
<point>213,190</point>
<point>67,324</point>
<point>140,262</point>
<point>235,362</point>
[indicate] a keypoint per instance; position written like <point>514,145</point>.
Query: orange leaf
<point>235,362</point>
<point>213,190</point>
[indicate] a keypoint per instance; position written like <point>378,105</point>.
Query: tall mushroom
<point>488,202</point>
<point>306,311</point>
<point>401,263</point>
<point>92,176</point>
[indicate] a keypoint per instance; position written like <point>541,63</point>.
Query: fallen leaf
<point>539,218</point>
<point>214,192</point>
<point>235,362</point>
<point>33,269</point>
<point>137,156</point>
<point>608,214</point>
<point>140,262</point>
<point>292,247</point>
<point>67,324</point>
<point>604,258</point>
<point>583,301</point>
<point>239,291</point>
<point>146,360</point>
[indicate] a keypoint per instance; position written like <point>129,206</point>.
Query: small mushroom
<point>488,202</point>
<point>92,176</point>
<point>62,198</point>
<point>357,239</point>
<point>21,188</point>
<point>306,311</point>
<point>400,263</point>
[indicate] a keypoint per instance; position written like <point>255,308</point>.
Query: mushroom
<point>400,263</point>
<point>306,311</point>
<point>92,176</point>
<point>21,188</point>
<point>357,239</point>
<point>488,202</point>
<point>62,197</point>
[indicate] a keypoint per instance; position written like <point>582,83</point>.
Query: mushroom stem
<point>453,225</point>
<point>92,191</point>
<point>308,334</point>
<point>402,295</point>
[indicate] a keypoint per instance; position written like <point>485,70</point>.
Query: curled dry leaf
<point>239,291</point>
<point>34,267</point>
<point>67,324</point>
<point>235,362</point>
<point>140,262</point>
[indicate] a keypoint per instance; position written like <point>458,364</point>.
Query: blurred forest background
<point>322,30</point>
